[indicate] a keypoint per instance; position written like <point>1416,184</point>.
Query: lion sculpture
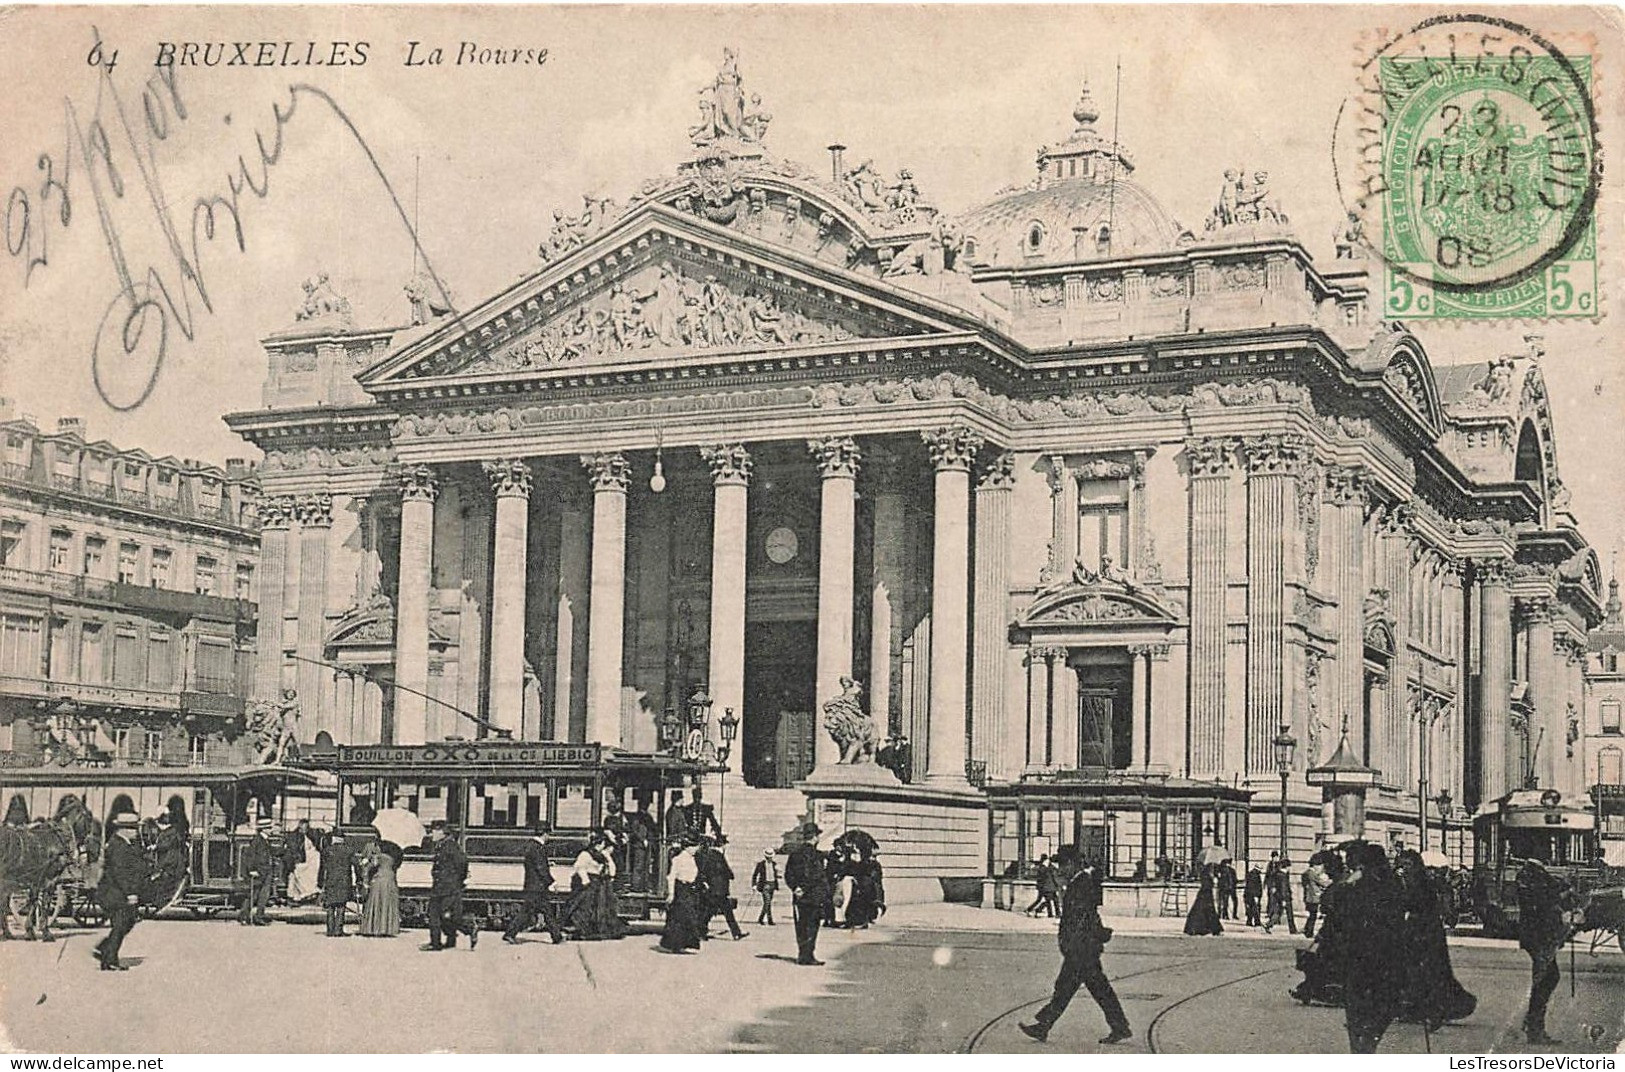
<point>850,726</point>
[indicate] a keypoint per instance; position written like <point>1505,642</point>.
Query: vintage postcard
<point>811,529</point>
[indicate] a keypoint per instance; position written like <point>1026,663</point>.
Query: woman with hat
<point>685,910</point>
<point>171,853</point>
<point>592,909</point>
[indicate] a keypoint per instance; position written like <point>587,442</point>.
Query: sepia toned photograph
<point>812,529</point>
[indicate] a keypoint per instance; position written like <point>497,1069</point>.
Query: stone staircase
<point>755,819</point>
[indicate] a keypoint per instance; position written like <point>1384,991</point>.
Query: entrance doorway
<point>780,691</point>
<point>1105,710</point>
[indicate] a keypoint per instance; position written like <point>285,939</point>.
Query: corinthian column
<point>510,483</point>
<point>1273,463</point>
<point>418,489</point>
<point>1209,461</point>
<point>607,599</point>
<point>315,524</point>
<point>838,458</point>
<point>886,585</point>
<point>1346,492</point>
<point>730,477</point>
<point>952,449</point>
<point>990,730</point>
<point>1494,677</point>
<point>276,514</point>
<point>1546,728</point>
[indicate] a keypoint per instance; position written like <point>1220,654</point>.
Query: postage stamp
<point>1487,175</point>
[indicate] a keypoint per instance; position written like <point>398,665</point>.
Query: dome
<point>1081,207</point>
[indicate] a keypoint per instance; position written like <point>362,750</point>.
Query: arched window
<point>16,811</point>
<point>1035,237</point>
<point>1528,466</point>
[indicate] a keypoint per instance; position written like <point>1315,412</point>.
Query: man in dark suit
<point>1227,890</point>
<point>1544,900</point>
<point>338,881</point>
<point>804,873</point>
<point>717,877</point>
<point>447,877</point>
<point>257,870</point>
<point>295,843</point>
<point>676,823</point>
<point>702,818</point>
<point>537,901</point>
<point>1083,939</point>
<point>124,876</point>
<point>1255,896</point>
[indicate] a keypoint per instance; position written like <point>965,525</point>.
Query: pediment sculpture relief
<point>663,307</point>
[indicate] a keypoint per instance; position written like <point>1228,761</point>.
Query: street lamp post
<point>1443,800</point>
<point>1285,745</point>
<point>729,725</point>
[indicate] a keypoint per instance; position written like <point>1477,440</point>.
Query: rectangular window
<point>127,668</point>
<point>91,666</point>
<point>1102,523</point>
<point>160,662</point>
<point>132,471</point>
<point>153,750</point>
<point>209,494</point>
<point>207,576</point>
<point>14,443</point>
<point>12,551</point>
<point>159,577</point>
<point>1609,766</point>
<point>245,580</point>
<point>214,666</point>
<point>166,478</point>
<point>61,551</point>
<point>1610,716</point>
<point>197,749</point>
<point>62,650</point>
<point>20,645</point>
<point>121,743</point>
<point>129,562</point>
<point>95,555</point>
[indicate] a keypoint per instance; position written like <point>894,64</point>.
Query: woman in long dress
<point>381,914</point>
<point>592,909</point>
<point>1203,917</point>
<point>1433,995</point>
<point>683,912</point>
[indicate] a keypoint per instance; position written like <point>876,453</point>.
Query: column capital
<point>609,472</point>
<point>1151,651</point>
<point>510,477</point>
<point>1492,571</point>
<point>1346,485</point>
<point>315,510</point>
<point>730,463</point>
<point>418,484</point>
<point>1533,609</point>
<point>952,446</point>
<point>1050,652</point>
<point>996,472</point>
<point>838,456</point>
<point>1276,455</point>
<point>277,511</point>
<point>1210,457</point>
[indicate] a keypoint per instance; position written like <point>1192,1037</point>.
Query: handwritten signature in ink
<point>156,301</point>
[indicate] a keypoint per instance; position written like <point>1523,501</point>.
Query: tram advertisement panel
<point>469,753</point>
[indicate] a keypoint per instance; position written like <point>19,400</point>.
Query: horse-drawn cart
<point>211,811</point>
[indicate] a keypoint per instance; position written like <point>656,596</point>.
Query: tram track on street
<point>974,1039</point>
<point>1156,1021</point>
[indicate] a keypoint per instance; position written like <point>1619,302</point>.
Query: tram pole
<point>356,671</point>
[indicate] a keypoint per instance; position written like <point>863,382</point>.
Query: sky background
<point>961,95</point>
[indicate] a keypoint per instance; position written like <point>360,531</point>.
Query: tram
<point>220,804</point>
<point>494,795</point>
<point>1559,831</point>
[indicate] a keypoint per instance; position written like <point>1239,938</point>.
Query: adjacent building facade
<point>127,600</point>
<point>1097,508</point>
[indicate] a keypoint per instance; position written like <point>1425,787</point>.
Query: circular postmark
<point>1469,164</point>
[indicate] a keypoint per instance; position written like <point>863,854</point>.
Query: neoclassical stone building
<point>1095,506</point>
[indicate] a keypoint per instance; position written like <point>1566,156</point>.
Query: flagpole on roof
<point>1111,190</point>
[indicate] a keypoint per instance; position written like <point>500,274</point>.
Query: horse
<point>35,860</point>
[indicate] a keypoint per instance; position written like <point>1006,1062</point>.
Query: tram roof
<point>130,777</point>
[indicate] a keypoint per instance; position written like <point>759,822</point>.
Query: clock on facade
<point>782,545</point>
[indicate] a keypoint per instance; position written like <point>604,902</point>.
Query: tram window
<point>573,805</point>
<point>507,805</point>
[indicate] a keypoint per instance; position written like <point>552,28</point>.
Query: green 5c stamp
<point>1489,175</point>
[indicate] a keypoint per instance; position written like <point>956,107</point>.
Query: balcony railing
<point>218,512</point>
<point>132,596</point>
<point>115,695</point>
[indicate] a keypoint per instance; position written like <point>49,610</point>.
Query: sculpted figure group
<point>677,311</point>
<point>1242,202</point>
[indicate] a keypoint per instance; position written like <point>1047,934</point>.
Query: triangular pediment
<point>660,287</point>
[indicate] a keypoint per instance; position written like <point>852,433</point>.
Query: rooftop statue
<point>1244,202</point>
<point>724,111</point>
<point>426,300</point>
<point>321,301</point>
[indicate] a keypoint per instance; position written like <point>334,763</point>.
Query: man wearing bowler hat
<point>257,870</point>
<point>447,877</point>
<point>808,880</point>
<point>124,876</point>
